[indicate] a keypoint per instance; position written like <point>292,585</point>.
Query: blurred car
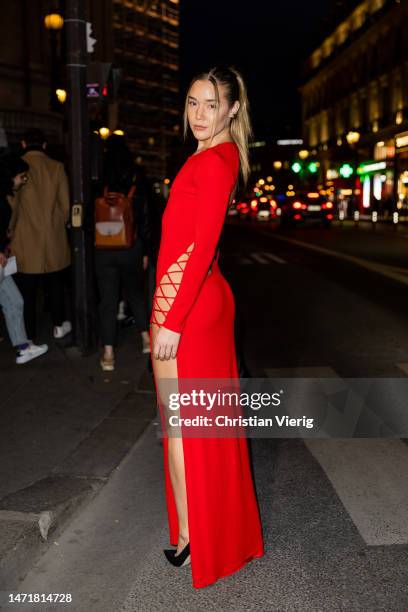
<point>266,208</point>
<point>257,208</point>
<point>261,208</point>
<point>243,209</point>
<point>303,207</point>
<point>232,209</point>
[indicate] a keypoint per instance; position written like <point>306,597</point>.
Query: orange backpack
<point>114,220</point>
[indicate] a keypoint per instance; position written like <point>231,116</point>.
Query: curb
<point>31,518</point>
<point>26,533</point>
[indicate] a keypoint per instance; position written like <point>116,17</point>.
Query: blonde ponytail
<point>241,128</point>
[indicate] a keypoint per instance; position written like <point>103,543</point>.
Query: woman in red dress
<point>212,509</point>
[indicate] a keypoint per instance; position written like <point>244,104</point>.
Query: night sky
<point>265,39</point>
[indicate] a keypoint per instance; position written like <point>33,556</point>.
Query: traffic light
<point>346,170</point>
<point>103,80</point>
<point>90,40</point>
<point>312,167</point>
<point>296,167</point>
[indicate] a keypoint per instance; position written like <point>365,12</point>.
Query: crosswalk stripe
<point>262,258</point>
<point>369,475</point>
<point>259,257</point>
<point>274,258</point>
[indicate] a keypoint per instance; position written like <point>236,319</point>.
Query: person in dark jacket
<point>13,176</point>
<point>123,268</point>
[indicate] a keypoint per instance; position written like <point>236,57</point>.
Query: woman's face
<point>203,118</point>
<point>19,180</point>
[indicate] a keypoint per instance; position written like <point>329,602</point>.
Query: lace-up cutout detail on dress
<point>168,287</point>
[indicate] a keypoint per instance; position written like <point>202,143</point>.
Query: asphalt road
<point>334,512</point>
<point>299,307</point>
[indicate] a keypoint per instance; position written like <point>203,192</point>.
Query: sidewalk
<point>385,227</point>
<point>64,427</point>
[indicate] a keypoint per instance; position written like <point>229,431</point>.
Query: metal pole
<point>82,248</point>
<point>54,104</point>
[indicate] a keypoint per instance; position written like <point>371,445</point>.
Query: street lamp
<point>54,23</point>
<point>104,132</point>
<point>61,95</point>
<point>352,137</point>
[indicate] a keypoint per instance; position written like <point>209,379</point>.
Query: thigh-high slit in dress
<point>193,298</point>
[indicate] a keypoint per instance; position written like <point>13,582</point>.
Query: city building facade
<point>140,38</point>
<point>145,38</point>
<point>355,106</point>
<point>29,58</point>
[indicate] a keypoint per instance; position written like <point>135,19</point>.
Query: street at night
<point>332,510</point>
<point>204,306</point>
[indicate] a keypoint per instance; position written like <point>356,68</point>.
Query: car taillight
<point>272,204</point>
<point>297,217</point>
<point>254,204</point>
<point>297,205</point>
<point>327,205</point>
<point>329,216</point>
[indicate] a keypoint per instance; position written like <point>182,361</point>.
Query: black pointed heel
<point>183,558</point>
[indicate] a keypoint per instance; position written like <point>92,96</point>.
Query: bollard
<point>356,216</point>
<point>374,218</point>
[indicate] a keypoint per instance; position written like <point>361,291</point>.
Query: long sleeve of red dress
<point>213,179</point>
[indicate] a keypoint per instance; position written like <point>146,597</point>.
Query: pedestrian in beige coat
<point>39,236</point>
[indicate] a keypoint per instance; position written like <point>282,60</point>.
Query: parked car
<point>304,207</point>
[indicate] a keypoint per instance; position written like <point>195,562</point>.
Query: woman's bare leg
<point>178,481</point>
<point>168,369</point>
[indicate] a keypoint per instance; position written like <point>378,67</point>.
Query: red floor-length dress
<point>224,523</point>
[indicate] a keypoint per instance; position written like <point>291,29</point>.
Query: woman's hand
<point>166,344</point>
